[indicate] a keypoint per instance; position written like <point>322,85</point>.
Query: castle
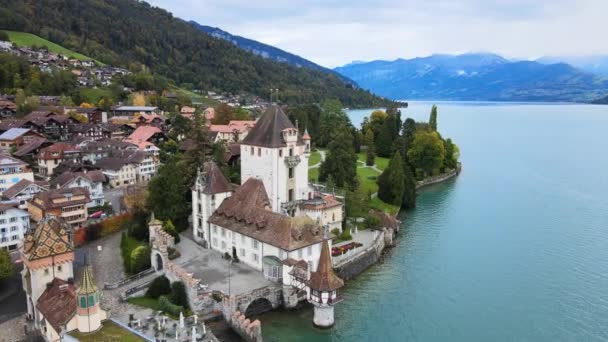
<point>55,303</point>
<point>275,219</point>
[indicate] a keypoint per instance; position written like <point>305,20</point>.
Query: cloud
<point>333,32</point>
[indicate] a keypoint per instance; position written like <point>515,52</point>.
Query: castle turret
<point>210,189</point>
<point>306,139</point>
<point>324,292</point>
<point>89,314</point>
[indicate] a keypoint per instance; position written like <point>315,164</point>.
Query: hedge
<point>168,307</point>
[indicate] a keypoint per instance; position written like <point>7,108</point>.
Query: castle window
<point>46,271</point>
<point>59,268</point>
<point>290,172</point>
<point>280,152</point>
<point>291,152</point>
<point>251,150</point>
<point>259,152</point>
<point>254,243</point>
<point>83,302</point>
<point>91,300</point>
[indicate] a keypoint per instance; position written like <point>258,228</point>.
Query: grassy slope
<point>109,332</point>
<point>28,39</point>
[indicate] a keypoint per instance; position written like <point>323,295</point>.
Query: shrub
<point>168,307</point>
<point>346,235</point>
<point>371,222</point>
<point>115,223</point>
<point>140,259</point>
<point>336,232</point>
<point>179,296</point>
<point>170,229</point>
<point>159,286</point>
<point>173,253</point>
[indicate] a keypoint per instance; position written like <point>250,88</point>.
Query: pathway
<point>322,154</point>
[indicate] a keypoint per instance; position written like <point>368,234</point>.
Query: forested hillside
<point>134,34</point>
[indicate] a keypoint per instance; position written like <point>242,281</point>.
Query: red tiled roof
<point>60,148</point>
<point>324,279</point>
<point>142,133</point>
<point>58,303</point>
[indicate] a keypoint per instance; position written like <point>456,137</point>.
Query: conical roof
<point>324,279</point>
<point>214,181</point>
<point>87,282</point>
<point>268,130</point>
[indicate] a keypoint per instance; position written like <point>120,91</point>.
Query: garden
<point>162,295</point>
<point>337,251</point>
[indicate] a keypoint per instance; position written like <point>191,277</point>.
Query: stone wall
<point>439,178</point>
<point>367,258</point>
<point>244,327</point>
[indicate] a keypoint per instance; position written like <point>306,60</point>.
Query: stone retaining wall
<point>367,258</point>
<point>244,327</point>
<point>439,178</point>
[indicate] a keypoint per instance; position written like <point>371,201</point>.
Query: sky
<point>334,33</point>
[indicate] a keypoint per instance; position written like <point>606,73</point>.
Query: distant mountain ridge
<point>594,64</point>
<point>263,50</point>
<point>476,76</point>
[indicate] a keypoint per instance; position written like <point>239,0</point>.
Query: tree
<point>223,114</point>
<point>169,228</point>
<point>341,161</point>
<point>384,140</point>
<point>179,296</point>
<point>391,182</point>
<point>452,153</point>
<point>370,157</point>
<point>332,117</point>
<point>140,259</point>
<point>433,119</point>
<point>6,265</point>
<point>408,132</point>
<point>368,138</point>
<point>138,99</point>
<point>159,286</point>
<point>427,152</point>
<point>169,193</point>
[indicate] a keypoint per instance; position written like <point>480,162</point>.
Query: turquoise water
<point>514,249</point>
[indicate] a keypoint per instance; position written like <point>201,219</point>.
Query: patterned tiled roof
<point>50,238</point>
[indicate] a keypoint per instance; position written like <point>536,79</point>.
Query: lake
<point>514,249</point>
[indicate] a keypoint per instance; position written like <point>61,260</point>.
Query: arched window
<point>83,302</point>
<point>91,300</point>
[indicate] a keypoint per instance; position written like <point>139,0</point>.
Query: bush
<point>371,222</point>
<point>159,286</point>
<point>336,232</point>
<point>170,229</point>
<point>115,223</point>
<point>168,307</point>
<point>6,265</point>
<point>140,259</point>
<point>179,296</point>
<point>346,235</point>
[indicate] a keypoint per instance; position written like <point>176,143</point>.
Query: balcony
<point>292,161</point>
<point>291,205</point>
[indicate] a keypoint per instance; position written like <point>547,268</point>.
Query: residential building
<point>147,138</point>
<point>29,150</point>
<point>90,180</point>
<point>50,157</point>
<point>93,131</point>
<point>91,151</point>
<point>24,191</point>
<point>14,223</point>
<point>132,110</point>
<point>128,167</point>
<point>187,112</point>
<point>234,132</point>
<point>12,171</point>
<point>67,203</point>
<point>16,137</point>
<point>7,108</point>
<point>51,124</point>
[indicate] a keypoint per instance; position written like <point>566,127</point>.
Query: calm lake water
<point>514,249</point>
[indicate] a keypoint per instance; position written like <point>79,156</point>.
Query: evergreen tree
<point>409,188</point>
<point>341,161</point>
<point>384,140</point>
<point>409,131</point>
<point>169,193</point>
<point>179,296</point>
<point>332,117</point>
<point>368,137</point>
<point>391,182</point>
<point>433,119</point>
<point>370,157</point>
<point>159,286</point>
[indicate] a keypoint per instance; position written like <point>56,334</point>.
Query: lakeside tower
<point>324,292</point>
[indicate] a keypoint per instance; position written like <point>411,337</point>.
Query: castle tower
<point>324,287</point>
<point>306,139</point>
<point>89,314</point>
<point>274,152</point>
<point>208,192</point>
<point>47,254</point>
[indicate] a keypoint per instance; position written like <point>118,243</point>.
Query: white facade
<point>203,206</point>
<point>95,190</point>
<point>26,195</point>
<point>251,251</point>
<point>12,171</point>
<point>284,170</point>
<point>14,223</point>
<point>146,169</point>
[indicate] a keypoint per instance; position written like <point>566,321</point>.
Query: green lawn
<point>28,39</point>
<point>110,331</point>
<point>367,180</point>
<point>94,94</point>
<point>315,157</point>
<point>146,302</point>
<point>380,162</point>
<point>313,174</point>
<point>377,203</point>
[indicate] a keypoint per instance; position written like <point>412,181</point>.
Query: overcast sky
<point>333,33</point>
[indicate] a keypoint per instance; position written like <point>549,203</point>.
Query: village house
<point>7,108</point>
<point>130,111</point>
<point>93,150</point>
<point>16,137</point>
<point>187,112</point>
<point>233,132</point>
<point>90,180</point>
<point>51,124</point>
<point>128,168</point>
<point>148,120</point>
<point>12,171</point>
<point>93,131</point>
<point>147,138</point>
<point>50,157</point>
<point>14,223</point>
<point>24,191</point>
<point>31,149</point>
<point>67,203</point>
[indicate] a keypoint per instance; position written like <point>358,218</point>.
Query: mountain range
<point>139,36</point>
<point>593,64</point>
<point>476,77</point>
